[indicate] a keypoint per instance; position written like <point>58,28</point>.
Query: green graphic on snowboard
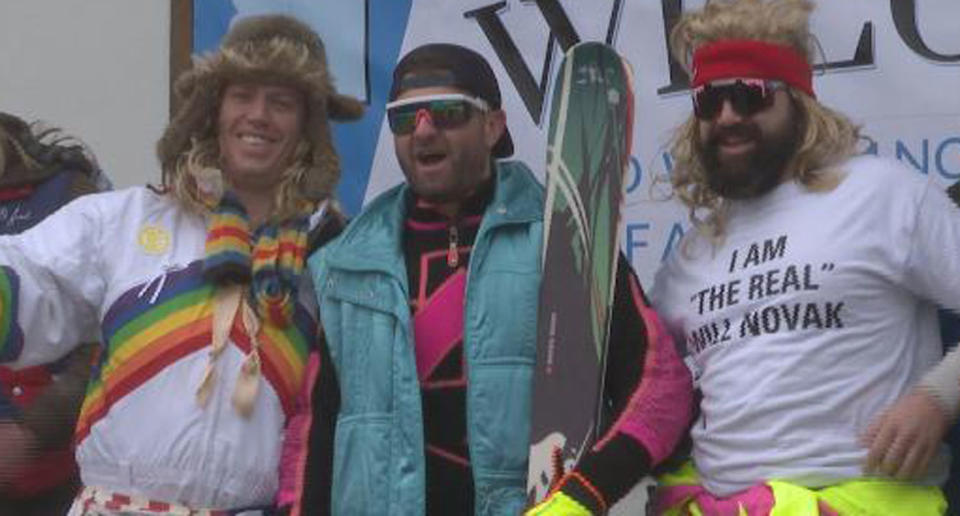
<point>588,148</point>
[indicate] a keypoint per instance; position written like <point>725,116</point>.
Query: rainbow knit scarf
<point>270,260</point>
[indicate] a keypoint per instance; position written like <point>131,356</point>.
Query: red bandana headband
<point>747,58</point>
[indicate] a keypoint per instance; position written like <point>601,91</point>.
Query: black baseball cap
<point>446,64</point>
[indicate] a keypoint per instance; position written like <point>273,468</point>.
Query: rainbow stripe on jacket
<point>156,323</point>
<point>11,337</point>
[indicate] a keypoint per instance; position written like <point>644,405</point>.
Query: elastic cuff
<point>577,486</point>
<point>559,504</point>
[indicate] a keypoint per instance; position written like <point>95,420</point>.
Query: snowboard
<point>588,150</point>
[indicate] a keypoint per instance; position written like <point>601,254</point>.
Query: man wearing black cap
<point>429,306</point>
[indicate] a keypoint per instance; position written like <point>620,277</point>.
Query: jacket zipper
<point>453,254</point>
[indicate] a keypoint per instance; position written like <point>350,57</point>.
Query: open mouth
<point>430,157</point>
<point>737,139</point>
<point>736,144</point>
<point>255,139</point>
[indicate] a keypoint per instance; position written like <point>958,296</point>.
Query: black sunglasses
<point>444,111</point>
<point>747,97</point>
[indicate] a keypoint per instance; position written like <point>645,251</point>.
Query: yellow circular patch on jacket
<point>153,239</point>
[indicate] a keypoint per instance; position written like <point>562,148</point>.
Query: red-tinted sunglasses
<point>747,97</point>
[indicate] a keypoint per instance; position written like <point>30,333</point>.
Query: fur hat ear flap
<point>321,161</point>
<point>342,107</point>
<point>322,178</point>
<point>199,93</point>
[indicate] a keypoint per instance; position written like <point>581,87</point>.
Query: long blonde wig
<point>274,48</point>
<point>827,137</point>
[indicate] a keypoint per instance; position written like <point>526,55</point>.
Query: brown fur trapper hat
<point>274,48</point>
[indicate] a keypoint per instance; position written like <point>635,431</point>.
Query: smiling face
<point>445,166</point>
<point>259,127</point>
<point>746,156</point>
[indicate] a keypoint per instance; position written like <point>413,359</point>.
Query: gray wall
<point>97,68</point>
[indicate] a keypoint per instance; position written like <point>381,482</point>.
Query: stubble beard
<point>466,174</point>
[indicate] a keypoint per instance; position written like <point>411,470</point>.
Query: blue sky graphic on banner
<point>362,46</point>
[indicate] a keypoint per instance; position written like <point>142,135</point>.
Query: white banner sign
<point>893,67</point>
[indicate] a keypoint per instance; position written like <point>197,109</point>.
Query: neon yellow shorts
<point>681,494</point>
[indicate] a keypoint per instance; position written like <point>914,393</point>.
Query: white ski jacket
<point>125,268</point>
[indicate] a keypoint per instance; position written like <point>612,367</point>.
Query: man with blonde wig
<point>806,294</point>
<point>195,287</point>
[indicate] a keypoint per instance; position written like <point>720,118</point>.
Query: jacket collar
<point>372,240</point>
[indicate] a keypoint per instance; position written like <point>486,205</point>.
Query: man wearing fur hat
<point>196,288</point>
<point>421,399</point>
<point>806,294</point>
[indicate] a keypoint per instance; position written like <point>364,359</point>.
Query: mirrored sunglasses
<point>444,111</point>
<point>747,97</point>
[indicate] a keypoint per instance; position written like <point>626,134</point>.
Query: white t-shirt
<point>814,313</point>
